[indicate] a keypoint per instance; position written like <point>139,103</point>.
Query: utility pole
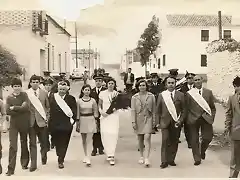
<point>220,24</point>
<point>89,53</point>
<point>76,42</point>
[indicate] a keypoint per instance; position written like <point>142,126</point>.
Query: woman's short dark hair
<point>236,82</point>
<point>16,81</point>
<point>84,87</point>
<point>115,83</point>
<point>35,77</point>
<point>139,82</point>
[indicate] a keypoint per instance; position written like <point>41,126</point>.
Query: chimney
<point>220,24</point>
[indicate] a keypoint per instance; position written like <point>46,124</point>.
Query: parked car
<point>76,74</point>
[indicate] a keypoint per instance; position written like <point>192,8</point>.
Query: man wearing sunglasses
<point>189,84</point>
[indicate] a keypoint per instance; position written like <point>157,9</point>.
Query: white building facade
<point>38,42</point>
<point>185,38</point>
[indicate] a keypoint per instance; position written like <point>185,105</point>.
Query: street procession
<point>46,113</point>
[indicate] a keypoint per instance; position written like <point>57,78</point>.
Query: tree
<point>9,68</point>
<point>148,42</point>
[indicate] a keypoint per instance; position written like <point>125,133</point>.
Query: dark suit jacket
<point>163,115</point>
<point>233,117</point>
<point>58,119</point>
<point>131,78</point>
<point>195,111</point>
<point>35,116</point>
<point>184,88</point>
<point>95,95</point>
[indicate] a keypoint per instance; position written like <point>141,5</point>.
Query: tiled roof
<point>196,20</point>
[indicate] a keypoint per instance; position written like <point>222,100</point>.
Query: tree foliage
<point>149,41</point>
<point>9,68</point>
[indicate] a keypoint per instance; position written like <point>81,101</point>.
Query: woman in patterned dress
<point>109,121</point>
<point>143,118</point>
<point>87,112</point>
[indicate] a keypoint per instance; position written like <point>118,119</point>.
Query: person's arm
<point>229,116</point>
<point>212,105</point>
<point>154,110</point>
<point>183,109</point>
<point>7,107</point>
<point>3,111</point>
<point>133,109</point>
<point>78,110</point>
<point>47,105</point>
<point>95,109</point>
<point>25,105</point>
<point>159,109</point>
<point>73,106</point>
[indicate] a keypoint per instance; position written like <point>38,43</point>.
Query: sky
<point>69,9</point>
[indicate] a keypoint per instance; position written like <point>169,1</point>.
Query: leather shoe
<point>101,152</point>
<point>164,165</point>
<point>172,163</point>
<point>9,173</point>
<point>197,163</point>
<point>203,156</point>
<point>0,169</point>
<point>24,167</point>
<point>60,166</point>
<point>32,169</point>
<point>93,153</point>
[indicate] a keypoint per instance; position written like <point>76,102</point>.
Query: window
<point>65,61</point>
<point>159,63</point>
<point>60,62</point>
<point>203,60</point>
<point>227,34</point>
<point>205,35</point>
<point>153,65</point>
<point>53,56</point>
<point>164,60</point>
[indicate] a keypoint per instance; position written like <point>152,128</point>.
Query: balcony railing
<point>37,22</point>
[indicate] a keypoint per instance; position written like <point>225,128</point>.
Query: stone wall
<point>223,67</point>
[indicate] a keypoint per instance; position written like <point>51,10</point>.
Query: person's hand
<point>11,107</point>
<point>104,114</point>
<point>78,126</point>
<point>158,126</point>
<point>226,132</point>
<point>134,126</point>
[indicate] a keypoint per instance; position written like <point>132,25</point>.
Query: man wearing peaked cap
<point>173,72</point>
<point>97,142</point>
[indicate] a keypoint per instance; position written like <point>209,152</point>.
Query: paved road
<point>215,165</point>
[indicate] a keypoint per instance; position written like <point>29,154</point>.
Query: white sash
<point>36,103</point>
<point>200,100</point>
<point>63,105</point>
<point>170,105</point>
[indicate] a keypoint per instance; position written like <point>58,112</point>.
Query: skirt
<point>87,124</point>
<point>109,132</point>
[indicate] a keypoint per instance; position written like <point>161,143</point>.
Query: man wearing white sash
<point>63,111</point>
<point>201,114</point>
<point>39,109</point>
<point>171,112</point>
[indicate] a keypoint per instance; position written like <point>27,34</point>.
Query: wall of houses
<point>60,55</point>
<point>31,49</point>
<point>183,47</point>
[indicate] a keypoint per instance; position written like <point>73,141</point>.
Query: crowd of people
<point>50,110</point>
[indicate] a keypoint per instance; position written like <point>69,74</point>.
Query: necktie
<point>172,96</point>
<point>200,92</point>
<point>35,93</point>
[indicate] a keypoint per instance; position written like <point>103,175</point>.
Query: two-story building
<point>184,39</point>
<point>37,40</point>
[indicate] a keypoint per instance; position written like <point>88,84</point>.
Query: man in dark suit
<point>156,86</point>
<point>63,112</point>
<point>48,84</point>
<point>39,111</point>
<point>184,89</point>
<point>171,112</point>
<point>201,114</point>
<point>232,124</point>
<point>129,79</point>
<point>97,141</point>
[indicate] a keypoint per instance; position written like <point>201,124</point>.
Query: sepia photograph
<point>135,89</point>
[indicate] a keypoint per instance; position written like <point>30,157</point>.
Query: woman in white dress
<point>109,121</point>
<point>87,112</point>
